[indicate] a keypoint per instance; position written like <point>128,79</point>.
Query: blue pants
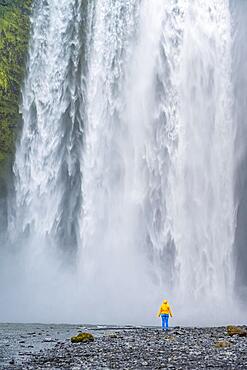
<point>164,318</point>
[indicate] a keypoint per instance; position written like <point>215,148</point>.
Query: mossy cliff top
<point>14,35</point>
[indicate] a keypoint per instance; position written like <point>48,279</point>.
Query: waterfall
<point>124,171</point>
<point>47,201</point>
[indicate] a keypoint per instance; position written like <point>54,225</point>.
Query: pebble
<point>48,340</point>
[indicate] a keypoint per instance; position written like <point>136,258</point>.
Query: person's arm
<point>170,311</point>
<point>158,313</point>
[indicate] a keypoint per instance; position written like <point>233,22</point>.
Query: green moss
<point>4,81</point>
<point>83,338</point>
<point>222,344</point>
<point>14,35</point>
<point>236,330</point>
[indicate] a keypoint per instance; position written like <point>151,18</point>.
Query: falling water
<point>124,172</point>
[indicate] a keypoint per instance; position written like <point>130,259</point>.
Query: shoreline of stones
<point>148,348</point>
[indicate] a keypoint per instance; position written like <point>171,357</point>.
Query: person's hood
<point>165,301</point>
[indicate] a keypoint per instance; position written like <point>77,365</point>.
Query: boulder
<point>236,330</point>
<point>112,335</point>
<point>82,338</point>
<point>222,344</point>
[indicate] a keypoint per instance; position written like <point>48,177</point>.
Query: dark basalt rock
<point>143,348</point>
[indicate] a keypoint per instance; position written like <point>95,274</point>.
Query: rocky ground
<point>144,348</point>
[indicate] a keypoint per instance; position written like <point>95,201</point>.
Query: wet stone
<point>137,348</point>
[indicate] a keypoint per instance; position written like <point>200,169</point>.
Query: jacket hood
<point>165,301</point>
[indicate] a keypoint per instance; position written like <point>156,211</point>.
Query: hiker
<point>164,312</point>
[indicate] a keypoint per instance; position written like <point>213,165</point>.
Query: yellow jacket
<point>164,308</point>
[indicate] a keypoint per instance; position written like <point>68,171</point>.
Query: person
<point>164,312</point>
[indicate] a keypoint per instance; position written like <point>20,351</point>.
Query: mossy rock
<point>113,335</point>
<point>236,330</point>
<point>222,344</point>
<point>82,338</point>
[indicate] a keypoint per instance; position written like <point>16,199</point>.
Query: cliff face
<point>14,35</point>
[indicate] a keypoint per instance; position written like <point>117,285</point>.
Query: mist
<point>129,179</point>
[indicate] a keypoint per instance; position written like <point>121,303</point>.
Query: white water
<point>124,172</point>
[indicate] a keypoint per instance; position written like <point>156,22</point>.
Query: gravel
<point>142,348</point>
